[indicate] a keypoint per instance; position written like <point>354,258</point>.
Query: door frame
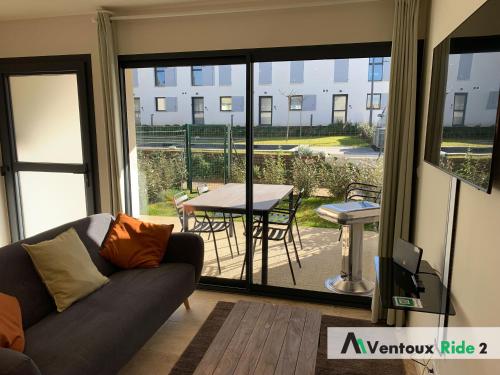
<point>260,109</point>
<point>345,110</point>
<point>81,66</point>
<point>193,98</point>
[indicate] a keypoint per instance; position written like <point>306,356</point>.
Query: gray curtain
<point>399,141</point>
<point>112,114</point>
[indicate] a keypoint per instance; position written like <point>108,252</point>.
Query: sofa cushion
<point>132,243</point>
<point>11,325</point>
<point>19,278</point>
<point>98,334</point>
<point>66,269</point>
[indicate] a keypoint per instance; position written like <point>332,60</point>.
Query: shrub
<point>473,169</point>
<point>238,170</point>
<point>306,172</point>
<point>273,170</point>
<point>207,166</point>
<point>366,131</point>
<point>340,172</point>
<point>159,171</point>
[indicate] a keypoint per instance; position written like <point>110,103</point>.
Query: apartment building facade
<point>294,93</point>
<point>471,95</point>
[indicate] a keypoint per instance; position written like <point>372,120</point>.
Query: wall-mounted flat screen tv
<point>463,116</point>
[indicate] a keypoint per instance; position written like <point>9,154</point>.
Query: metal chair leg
<point>289,261</point>
<point>235,235</point>
<point>229,242</point>
<point>298,232</point>
<point>296,253</point>
<point>217,254</point>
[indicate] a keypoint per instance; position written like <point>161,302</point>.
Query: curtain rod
<point>187,13</point>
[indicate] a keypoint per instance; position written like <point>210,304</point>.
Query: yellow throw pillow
<point>66,268</point>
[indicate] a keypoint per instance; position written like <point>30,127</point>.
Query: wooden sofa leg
<point>186,304</point>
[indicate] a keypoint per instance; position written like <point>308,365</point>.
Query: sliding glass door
<point>186,141</point>
<point>47,143</point>
<point>291,126</point>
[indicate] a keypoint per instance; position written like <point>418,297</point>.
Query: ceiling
<point>26,9</point>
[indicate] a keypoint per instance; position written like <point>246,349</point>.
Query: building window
<point>137,110</point>
<point>265,73</point>
<point>296,71</point>
<point>464,66</point>
<point>160,77</point>
<point>226,103</point>
<point>265,110</point>
<point>375,68</point>
<point>198,110</point>
<point>459,106</point>
<point>339,109</point>
<point>197,75</point>
<point>377,101</point>
<point>295,103</point>
<point>161,104</point>
<point>225,75</point>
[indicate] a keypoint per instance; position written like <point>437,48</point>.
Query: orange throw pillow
<point>131,243</point>
<point>11,323</point>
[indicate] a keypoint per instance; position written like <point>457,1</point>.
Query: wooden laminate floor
<point>161,352</point>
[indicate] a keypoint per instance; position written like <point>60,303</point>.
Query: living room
<point>125,123</point>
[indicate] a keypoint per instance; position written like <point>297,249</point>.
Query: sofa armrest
<point>186,248</point>
<point>16,363</point>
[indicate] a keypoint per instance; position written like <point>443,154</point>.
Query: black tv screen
<point>463,116</point>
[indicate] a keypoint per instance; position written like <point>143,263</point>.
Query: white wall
<point>475,272</point>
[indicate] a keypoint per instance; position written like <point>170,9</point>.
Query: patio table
<point>231,199</point>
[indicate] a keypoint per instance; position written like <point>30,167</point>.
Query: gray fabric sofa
<point>98,334</point>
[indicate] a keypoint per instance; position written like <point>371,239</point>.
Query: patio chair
<point>202,189</point>
<point>280,216</point>
<point>357,191</point>
<point>203,224</point>
<point>278,232</point>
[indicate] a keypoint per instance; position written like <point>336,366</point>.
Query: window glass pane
<point>338,116</point>
<point>296,150</point>
<point>197,76</point>
<point>266,104</point>
<point>376,101</point>
<point>226,103</point>
<point>340,102</point>
<point>160,77</point>
<point>265,118</point>
<point>161,104</point>
<point>198,104</point>
<point>191,143</point>
<point>46,118</point>
<point>459,102</point>
<point>51,199</point>
<point>458,117</point>
<point>295,103</point>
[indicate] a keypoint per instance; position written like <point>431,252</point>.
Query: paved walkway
<point>349,152</point>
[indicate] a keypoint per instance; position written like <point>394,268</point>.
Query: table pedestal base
<point>341,284</point>
<point>350,280</point>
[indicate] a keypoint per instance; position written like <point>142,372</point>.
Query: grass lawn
<point>340,140</point>
<point>466,144</point>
